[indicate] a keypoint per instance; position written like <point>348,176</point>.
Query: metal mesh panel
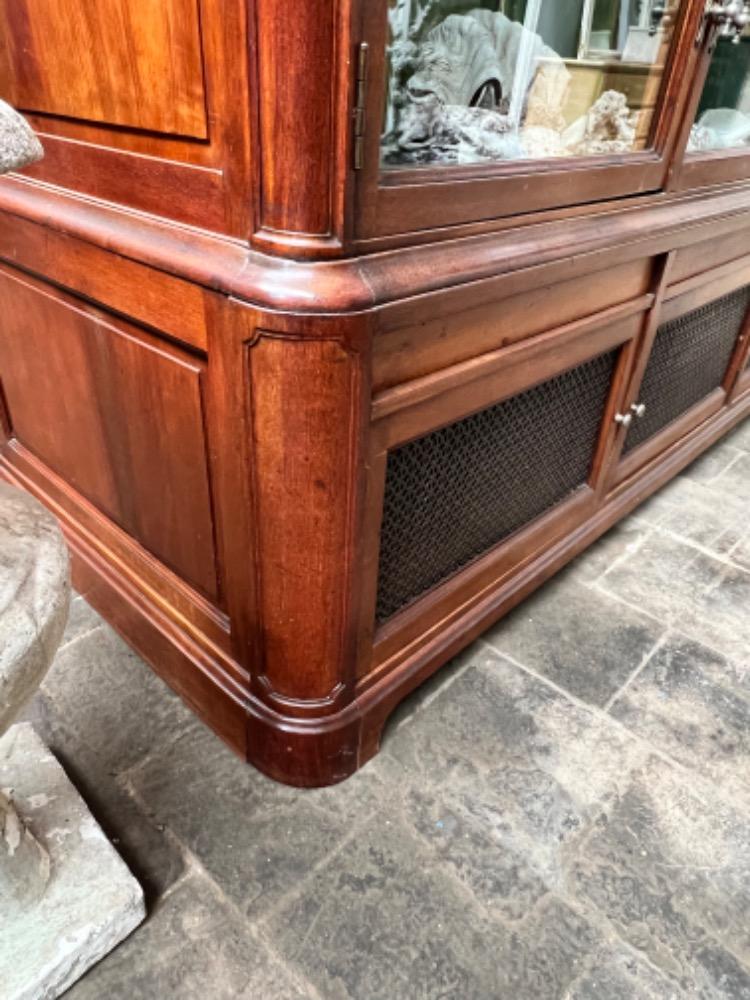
<point>690,359</point>
<point>455,493</point>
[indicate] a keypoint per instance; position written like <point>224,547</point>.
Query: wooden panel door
<point>139,102</point>
<point>689,365</point>
<point>480,467</point>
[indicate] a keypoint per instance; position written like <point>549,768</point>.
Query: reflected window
<point>474,82</point>
<point>621,30</point>
<point>723,118</point>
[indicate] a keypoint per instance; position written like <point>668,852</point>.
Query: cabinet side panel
<point>115,413</point>
<point>122,62</point>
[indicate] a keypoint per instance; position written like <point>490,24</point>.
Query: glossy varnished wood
<point>308,407</point>
<point>134,104</point>
<point>122,62</point>
<point>115,412</point>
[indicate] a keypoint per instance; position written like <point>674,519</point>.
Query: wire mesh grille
<point>452,495</point>
<point>689,360</point>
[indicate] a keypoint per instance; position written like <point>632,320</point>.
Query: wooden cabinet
<point>136,65</point>
<point>330,334</point>
<point>126,426</point>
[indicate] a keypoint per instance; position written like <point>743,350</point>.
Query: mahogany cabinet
<point>330,331</point>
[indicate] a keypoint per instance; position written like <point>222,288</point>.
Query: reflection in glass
<point>473,81</point>
<point>723,118</point>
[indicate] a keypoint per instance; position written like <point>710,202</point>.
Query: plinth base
<point>91,901</point>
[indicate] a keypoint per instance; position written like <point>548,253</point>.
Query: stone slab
<point>154,857</point>
<point>256,838</point>
<point>382,921</point>
<point>694,704</point>
<point>194,945</point>
<point>91,903</point>
<point>113,701</point>
<point>577,638</point>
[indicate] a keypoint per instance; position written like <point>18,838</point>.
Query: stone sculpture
<point>607,128</point>
<point>66,897</point>
<point>456,59</point>
<point>542,77</point>
<point>432,132</point>
<point>481,87</point>
<point>19,147</point>
<point>34,596</point>
<point>466,53</point>
<point>466,65</point>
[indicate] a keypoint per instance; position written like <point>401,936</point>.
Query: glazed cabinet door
<point>132,101</point>
<point>716,137</point>
<point>691,365</point>
<point>480,466</point>
<point>469,111</point>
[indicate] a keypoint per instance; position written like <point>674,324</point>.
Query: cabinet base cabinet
<point>297,515</point>
<point>330,330</point>
<point>324,750</point>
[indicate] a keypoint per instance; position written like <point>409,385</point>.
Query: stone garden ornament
<point>34,597</point>
<point>19,147</point>
<point>66,898</point>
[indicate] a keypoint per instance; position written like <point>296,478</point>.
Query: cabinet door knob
<point>638,410</point>
<point>624,419</point>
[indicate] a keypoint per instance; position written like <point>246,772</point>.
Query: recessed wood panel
<point>134,63</point>
<point>302,406</point>
<point>117,414</point>
<point>698,258</point>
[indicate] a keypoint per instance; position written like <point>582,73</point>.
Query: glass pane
<point>723,118</point>
<point>476,81</point>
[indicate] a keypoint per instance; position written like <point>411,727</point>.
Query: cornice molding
<point>574,245</point>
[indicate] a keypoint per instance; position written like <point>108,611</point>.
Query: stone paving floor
<point>563,812</point>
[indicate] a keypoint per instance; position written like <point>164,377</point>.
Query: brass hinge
<point>363,55</point>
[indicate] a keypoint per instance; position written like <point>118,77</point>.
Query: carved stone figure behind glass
<point>472,60</point>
